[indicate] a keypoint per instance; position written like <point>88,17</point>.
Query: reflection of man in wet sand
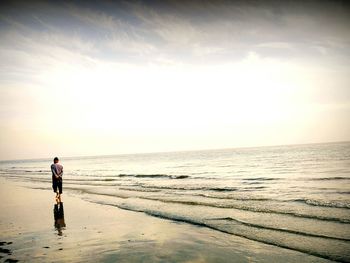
<point>57,172</point>
<point>58,213</point>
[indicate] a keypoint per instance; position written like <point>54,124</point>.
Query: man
<point>57,172</point>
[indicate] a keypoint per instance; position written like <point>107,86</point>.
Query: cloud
<point>166,69</point>
<point>195,32</point>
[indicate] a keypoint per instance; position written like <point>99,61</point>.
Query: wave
<point>302,241</point>
<point>140,190</point>
<point>260,179</point>
<point>335,204</point>
<point>29,178</point>
<point>247,205</point>
<point>252,182</point>
<point>330,178</point>
<point>237,198</point>
<point>17,172</point>
<point>244,207</point>
<point>250,188</point>
<point>221,189</point>
<point>154,176</point>
<point>228,201</point>
<point>343,192</point>
<point>256,209</point>
<point>190,188</point>
<point>279,229</point>
<point>92,180</point>
<point>273,236</point>
<point>37,171</point>
<point>248,199</point>
<point>206,188</point>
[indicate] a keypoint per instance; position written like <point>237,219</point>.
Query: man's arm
<point>60,174</point>
<point>54,172</point>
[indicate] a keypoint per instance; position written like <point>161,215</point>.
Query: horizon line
<point>176,151</point>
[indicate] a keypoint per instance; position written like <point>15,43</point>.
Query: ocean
<point>295,197</point>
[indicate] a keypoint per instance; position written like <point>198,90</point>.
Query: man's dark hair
<point>55,159</point>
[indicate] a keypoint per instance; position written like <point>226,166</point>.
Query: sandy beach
<point>96,233</point>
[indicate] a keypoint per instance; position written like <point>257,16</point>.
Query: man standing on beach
<point>57,172</point>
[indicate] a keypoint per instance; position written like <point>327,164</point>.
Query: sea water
<point>295,197</point>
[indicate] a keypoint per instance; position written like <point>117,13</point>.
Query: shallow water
<point>295,197</point>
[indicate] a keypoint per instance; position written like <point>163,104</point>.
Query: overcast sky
<point>81,78</point>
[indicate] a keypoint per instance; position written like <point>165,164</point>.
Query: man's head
<point>55,160</point>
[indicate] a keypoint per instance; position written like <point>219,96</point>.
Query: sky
<point>84,78</point>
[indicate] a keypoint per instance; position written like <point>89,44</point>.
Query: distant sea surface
<point>295,197</point>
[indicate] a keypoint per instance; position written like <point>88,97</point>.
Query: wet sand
<point>99,233</point>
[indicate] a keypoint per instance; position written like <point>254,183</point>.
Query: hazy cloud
<point>222,69</point>
<point>191,31</point>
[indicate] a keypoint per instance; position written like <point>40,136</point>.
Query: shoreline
<point>102,233</point>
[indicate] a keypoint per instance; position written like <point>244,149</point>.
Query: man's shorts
<point>57,184</point>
